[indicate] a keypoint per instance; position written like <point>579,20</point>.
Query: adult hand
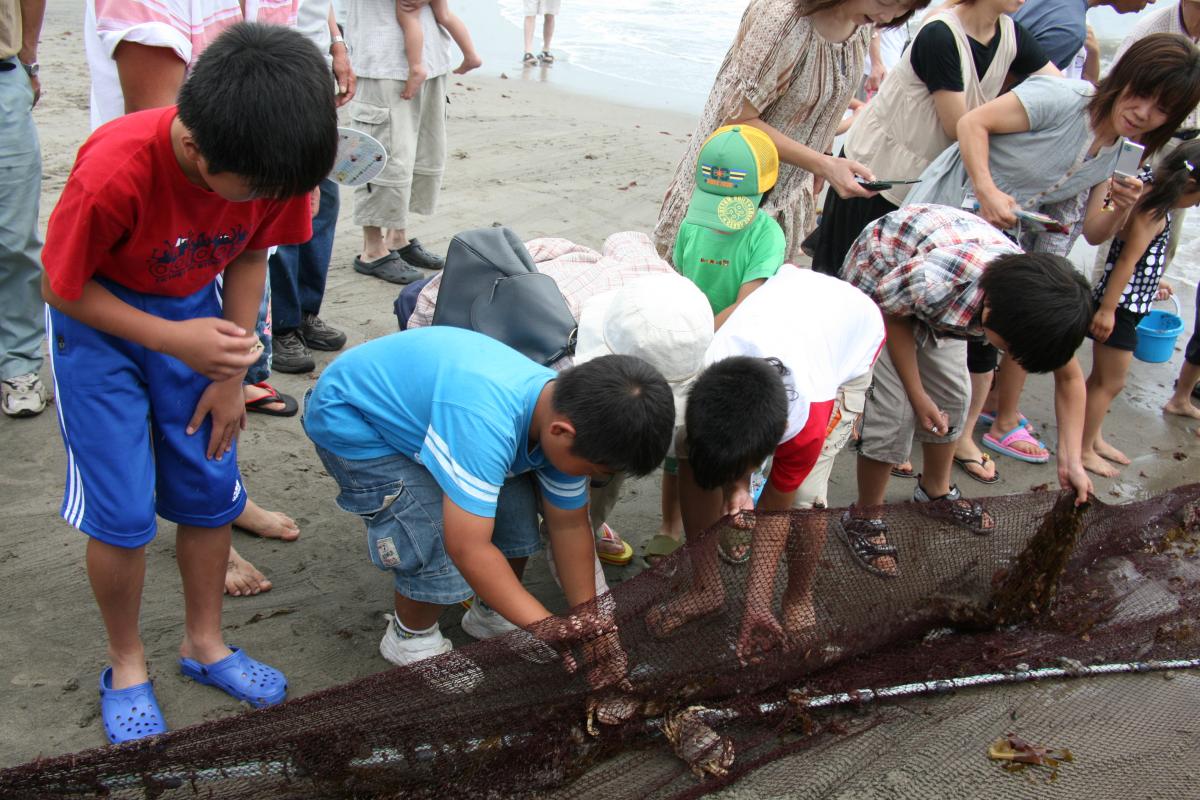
<point>998,208</point>
<point>760,632</point>
<point>1102,324</point>
<point>36,83</point>
<point>1123,193</point>
<point>343,74</point>
<point>216,348</point>
<point>876,76</point>
<point>841,174</point>
<point>1074,476</point>
<point>223,400</point>
<point>930,417</point>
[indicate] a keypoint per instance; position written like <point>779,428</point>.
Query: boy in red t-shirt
<point>160,204</point>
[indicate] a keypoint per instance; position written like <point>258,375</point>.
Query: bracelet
<point>339,39</point>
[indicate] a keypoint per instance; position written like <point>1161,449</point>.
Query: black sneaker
<point>418,256</point>
<point>289,354</point>
<point>319,336</point>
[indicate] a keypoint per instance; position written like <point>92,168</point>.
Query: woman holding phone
<point>1051,146</point>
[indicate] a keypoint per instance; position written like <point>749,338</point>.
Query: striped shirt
<point>924,262</point>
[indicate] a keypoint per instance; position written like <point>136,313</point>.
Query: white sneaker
<point>403,651</point>
<point>484,623</point>
<point>22,396</point>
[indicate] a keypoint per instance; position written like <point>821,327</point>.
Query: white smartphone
<point>1129,159</point>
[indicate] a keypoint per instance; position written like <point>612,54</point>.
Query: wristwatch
<point>31,69</point>
<point>337,40</point>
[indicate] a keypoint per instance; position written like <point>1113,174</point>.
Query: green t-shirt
<point>720,263</point>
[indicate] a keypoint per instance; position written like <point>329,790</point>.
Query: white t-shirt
<point>185,26</point>
<point>377,42</point>
<point>824,331</point>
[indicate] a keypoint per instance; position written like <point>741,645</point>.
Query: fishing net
<point>1049,592</point>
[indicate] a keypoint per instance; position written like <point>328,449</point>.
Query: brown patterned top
<point>801,85</point>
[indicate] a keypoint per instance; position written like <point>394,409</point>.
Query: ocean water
<point>667,52</point>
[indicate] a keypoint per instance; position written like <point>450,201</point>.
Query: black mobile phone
<point>879,185</point>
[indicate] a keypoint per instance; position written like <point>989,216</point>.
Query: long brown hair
<point>809,7</point>
<point>1165,66</point>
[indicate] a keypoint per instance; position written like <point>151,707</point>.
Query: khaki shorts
<point>414,134</point>
<point>851,397</point>
<point>888,422</point>
<point>534,7</point>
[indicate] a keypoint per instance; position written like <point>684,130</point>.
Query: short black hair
<point>736,415</point>
<point>622,410</point>
<point>259,103</point>
<point>1039,305</point>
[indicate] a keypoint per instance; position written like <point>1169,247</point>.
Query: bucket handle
<point>1178,308</point>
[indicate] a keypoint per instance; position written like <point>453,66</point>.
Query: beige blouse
<point>800,83</point>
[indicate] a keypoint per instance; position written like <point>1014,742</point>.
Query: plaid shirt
<point>925,261</point>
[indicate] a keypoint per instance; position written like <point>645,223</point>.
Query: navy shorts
<point>1124,334</point>
<point>123,412</point>
<point>401,504</point>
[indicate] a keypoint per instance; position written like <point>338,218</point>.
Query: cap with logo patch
<point>737,164</point>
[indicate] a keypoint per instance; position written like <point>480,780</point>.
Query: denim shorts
<point>401,504</point>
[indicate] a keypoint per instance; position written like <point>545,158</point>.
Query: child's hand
<point>930,417</point>
<point>607,663</point>
<point>1165,290</point>
<point>1102,324</point>
<point>1074,476</point>
<point>760,632</point>
<point>216,348</point>
<point>224,402</point>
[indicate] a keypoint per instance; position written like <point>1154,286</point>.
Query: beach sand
<point>523,153</point>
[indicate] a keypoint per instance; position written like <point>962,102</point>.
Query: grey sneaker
<point>289,354</point>
<point>22,395</point>
<point>319,336</point>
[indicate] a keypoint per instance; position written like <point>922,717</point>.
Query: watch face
<point>31,69</point>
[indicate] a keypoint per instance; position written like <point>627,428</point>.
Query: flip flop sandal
<point>1004,445</point>
<point>981,462</point>
<point>953,508</point>
<point>129,713</point>
<point>659,547</point>
<point>903,473</point>
<point>239,676</point>
<point>734,547</point>
<point>988,418</point>
<point>263,404</point>
<point>618,553</point>
<point>857,533</point>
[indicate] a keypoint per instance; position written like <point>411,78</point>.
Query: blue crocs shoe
<point>129,713</point>
<point>239,676</point>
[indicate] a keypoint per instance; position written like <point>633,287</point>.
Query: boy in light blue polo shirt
<point>433,434</point>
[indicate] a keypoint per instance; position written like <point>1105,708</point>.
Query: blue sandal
<point>239,676</point>
<point>129,713</point>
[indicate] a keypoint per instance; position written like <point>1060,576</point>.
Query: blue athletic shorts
<point>401,504</point>
<point>123,411</point>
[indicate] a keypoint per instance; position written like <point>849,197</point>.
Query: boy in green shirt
<point>724,245</point>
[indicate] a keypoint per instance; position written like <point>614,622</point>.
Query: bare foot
<point>242,579</point>
<point>267,524</point>
<point>470,61</point>
<point>416,77</point>
<point>666,618</point>
<point>1183,408</point>
<point>799,618</point>
<point>1092,462</point>
<point>1106,450</point>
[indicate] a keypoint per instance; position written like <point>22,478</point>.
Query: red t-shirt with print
<point>129,214</point>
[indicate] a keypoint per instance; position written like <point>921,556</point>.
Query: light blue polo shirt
<point>457,402</point>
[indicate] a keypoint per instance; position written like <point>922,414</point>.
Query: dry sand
<point>523,153</point>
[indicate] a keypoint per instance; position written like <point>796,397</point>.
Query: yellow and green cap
<point>737,164</point>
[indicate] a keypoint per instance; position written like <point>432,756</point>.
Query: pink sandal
<point>1004,445</point>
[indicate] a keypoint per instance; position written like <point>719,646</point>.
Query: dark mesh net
<point>1050,588</point>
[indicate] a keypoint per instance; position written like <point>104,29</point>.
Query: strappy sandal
<point>546,57</point>
<point>530,60</point>
<point>953,508</point>
<point>857,533</point>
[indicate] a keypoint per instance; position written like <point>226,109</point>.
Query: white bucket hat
<point>662,319</point>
